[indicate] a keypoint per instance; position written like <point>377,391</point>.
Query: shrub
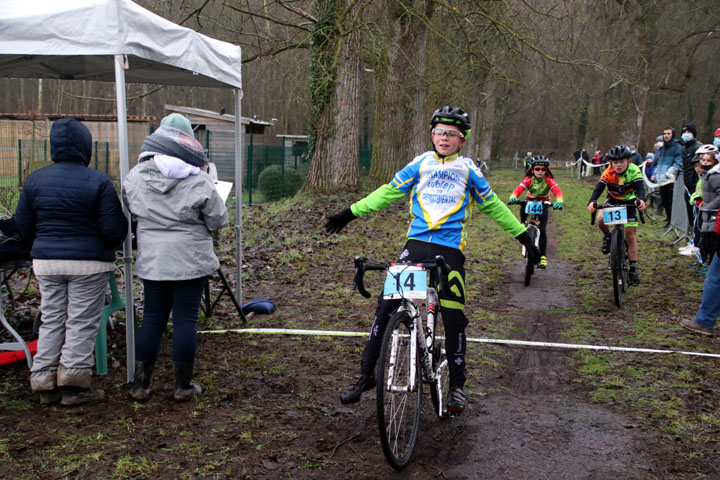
<point>274,185</point>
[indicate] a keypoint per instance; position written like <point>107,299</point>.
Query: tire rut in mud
<point>531,423</point>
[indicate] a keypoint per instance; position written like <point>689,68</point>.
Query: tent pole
<point>239,146</point>
<point>121,64</point>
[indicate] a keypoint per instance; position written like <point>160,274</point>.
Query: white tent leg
<point>239,146</point>
<point>120,66</point>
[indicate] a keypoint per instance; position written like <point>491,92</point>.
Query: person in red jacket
<point>538,182</point>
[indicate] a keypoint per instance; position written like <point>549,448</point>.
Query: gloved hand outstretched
<point>338,221</point>
<point>531,250</point>
<point>557,205</point>
<point>513,201</point>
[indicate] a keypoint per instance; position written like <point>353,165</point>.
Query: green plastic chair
<point>117,302</point>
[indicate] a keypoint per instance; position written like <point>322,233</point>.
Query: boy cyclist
<point>443,187</point>
<point>539,182</point>
<point>624,182</point>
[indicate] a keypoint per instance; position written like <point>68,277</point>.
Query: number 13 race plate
<point>615,215</point>
<point>405,281</point>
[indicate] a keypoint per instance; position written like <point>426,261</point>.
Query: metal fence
<point>290,165</point>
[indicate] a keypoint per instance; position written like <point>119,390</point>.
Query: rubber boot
<point>185,388</point>
<point>140,391</point>
<point>73,396</point>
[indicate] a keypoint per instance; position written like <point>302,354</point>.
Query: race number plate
<point>405,281</point>
<point>534,208</point>
<point>615,215</point>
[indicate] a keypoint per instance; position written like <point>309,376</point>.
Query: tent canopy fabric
<point>77,40</point>
<point>119,41</point>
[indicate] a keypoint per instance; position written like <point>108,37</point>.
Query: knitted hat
<point>690,127</point>
<point>177,121</point>
<point>650,156</point>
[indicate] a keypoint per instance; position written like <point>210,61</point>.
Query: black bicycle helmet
<point>618,152</point>
<point>540,161</point>
<point>451,116</point>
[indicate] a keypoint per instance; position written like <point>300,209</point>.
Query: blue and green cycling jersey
<point>442,192</point>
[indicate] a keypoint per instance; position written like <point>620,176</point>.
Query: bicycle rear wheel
<point>529,265</point>
<point>398,395</point>
<point>616,254</point>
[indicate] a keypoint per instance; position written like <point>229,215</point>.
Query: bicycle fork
<point>427,341</point>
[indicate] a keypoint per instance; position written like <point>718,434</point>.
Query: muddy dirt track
<point>270,407</point>
<point>524,419</point>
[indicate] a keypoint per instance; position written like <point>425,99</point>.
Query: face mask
<point>687,137</point>
<point>707,167</point>
<point>716,142</point>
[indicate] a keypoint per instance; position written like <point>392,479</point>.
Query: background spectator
<point>598,159</point>
<point>583,157</point>
<point>635,158</point>
<point>668,164</point>
<point>690,144</point>
<point>73,217</point>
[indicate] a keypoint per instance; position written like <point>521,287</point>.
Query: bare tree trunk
<point>334,161</point>
<point>343,146</point>
<point>397,118</point>
<point>420,138</point>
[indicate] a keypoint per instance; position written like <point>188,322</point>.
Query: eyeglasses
<point>439,132</point>
<point>540,169</point>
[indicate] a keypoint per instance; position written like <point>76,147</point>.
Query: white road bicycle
<point>411,354</point>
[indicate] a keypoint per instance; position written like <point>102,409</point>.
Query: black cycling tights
<point>454,320</point>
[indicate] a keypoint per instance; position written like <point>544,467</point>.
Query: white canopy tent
<point>117,40</point>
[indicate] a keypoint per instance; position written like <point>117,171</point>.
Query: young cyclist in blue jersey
<point>443,186</point>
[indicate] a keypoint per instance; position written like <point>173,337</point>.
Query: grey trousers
<point>71,308</point>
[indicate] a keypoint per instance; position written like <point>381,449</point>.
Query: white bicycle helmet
<point>709,148</point>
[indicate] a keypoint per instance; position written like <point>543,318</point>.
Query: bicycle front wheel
<point>399,391</point>
<point>529,265</point>
<point>617,245</point>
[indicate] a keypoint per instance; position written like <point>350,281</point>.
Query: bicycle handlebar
<point>600,207</point>
<point>441,268</point>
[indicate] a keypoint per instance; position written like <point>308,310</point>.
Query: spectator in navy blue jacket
<point>668,165</point>
<point>72,216</point>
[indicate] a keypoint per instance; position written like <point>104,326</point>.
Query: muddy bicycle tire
<point>617,259</point>
<point>398,402</point>
<point>529,265</point>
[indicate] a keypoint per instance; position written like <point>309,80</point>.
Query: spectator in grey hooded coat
<point>177,208</point>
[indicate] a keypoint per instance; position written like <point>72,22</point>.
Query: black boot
<point>141,382</point>
<point>73,396</point>
<point>185,388</point>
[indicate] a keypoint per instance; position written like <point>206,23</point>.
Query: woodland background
<point>546,76</point>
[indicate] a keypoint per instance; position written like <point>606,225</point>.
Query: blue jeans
<point>710,305</point>
<point>182,298</point>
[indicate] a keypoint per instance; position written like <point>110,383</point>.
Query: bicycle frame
<point>424,334</point>
<point>407,345</point>
<point>618,256</point>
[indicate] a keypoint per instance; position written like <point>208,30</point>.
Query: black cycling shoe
<point>456,404</point>
<point>606,243</point>
<point>359,384</point>
<point>634,278</point>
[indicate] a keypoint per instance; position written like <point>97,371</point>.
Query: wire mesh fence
<point>273,168</point>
